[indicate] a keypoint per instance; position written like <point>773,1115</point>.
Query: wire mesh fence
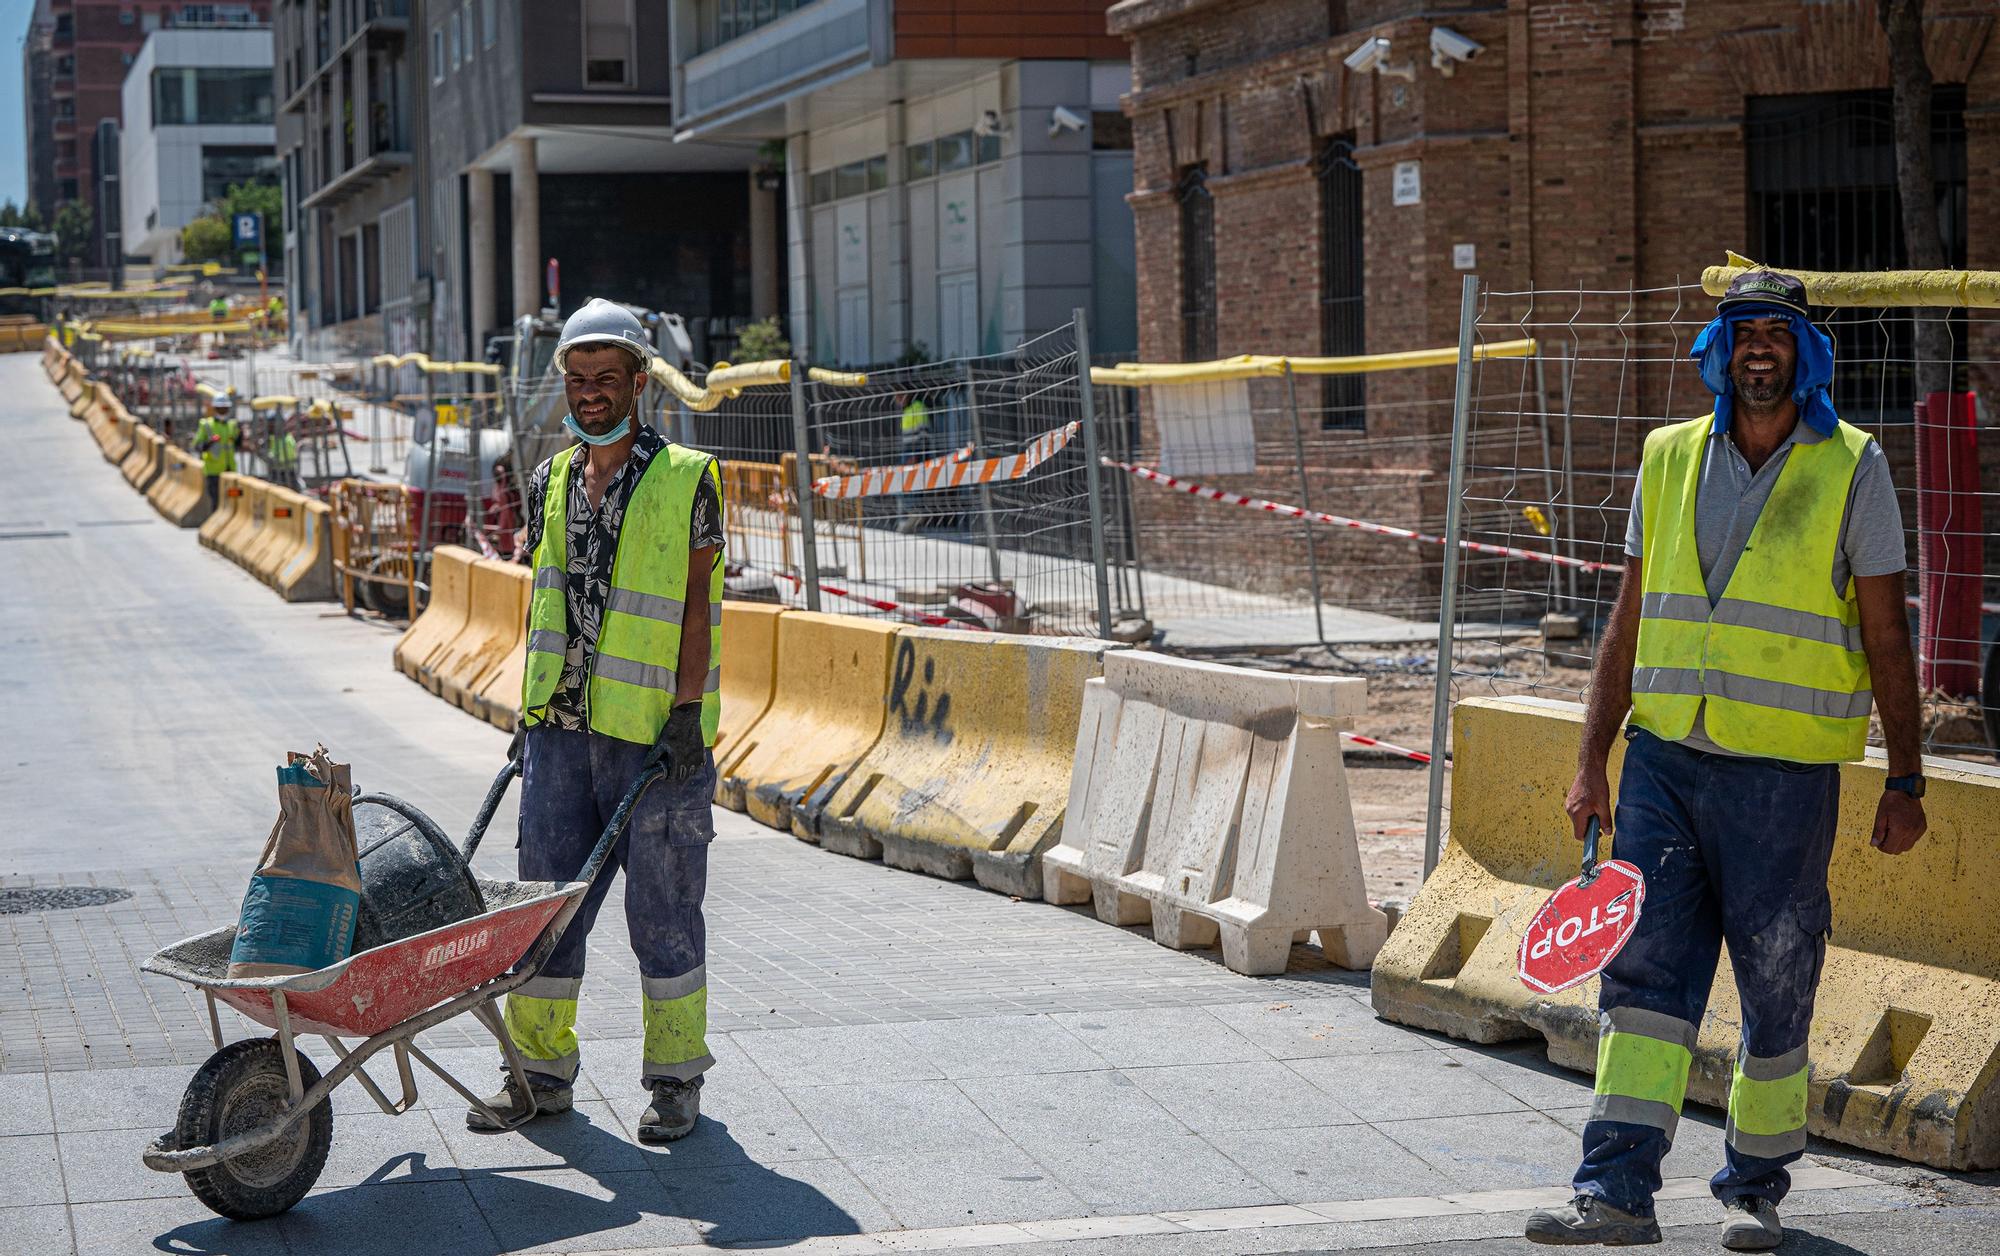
<point>1565,450</point>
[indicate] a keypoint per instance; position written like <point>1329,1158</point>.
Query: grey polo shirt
<point>1729,498</point>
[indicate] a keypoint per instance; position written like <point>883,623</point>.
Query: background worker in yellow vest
<point>1760,616</point>
<point>215,439</point>
<point>914,438</point>
<point>281,451</point>
<point>218,309</point>
<point>624,531</point>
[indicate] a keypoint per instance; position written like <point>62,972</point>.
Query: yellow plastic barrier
<point>1972,289</point>
<point>749,669</point>
<point>229,504</point>
<point>1266,366</point>
<point>826,713</point>
<point>283,513</point>
<point>443,616</point>
<point>305,574</point>
<point>497,700</point>
<point>971,775</point>
<point>493,623</point>
<point>1905,1040</point>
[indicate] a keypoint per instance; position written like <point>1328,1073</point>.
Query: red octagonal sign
<point>1581,927</point>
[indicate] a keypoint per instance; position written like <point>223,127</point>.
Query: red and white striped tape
<point>911,613</point>
<point>949,471</point>
<point>1380,529</point>
<point>1415,755</point>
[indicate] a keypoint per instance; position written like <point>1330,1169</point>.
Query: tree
<point>206,239</point>
<point>254,198</point>
<point>10,215</point>
<point>762,341</point>
<point>72,231</point>
<point>31,218</point>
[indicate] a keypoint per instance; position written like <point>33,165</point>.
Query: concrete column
<point>798,211</point>
<point>527,227</point>
<point>480,259</point>
<point>764,260</point>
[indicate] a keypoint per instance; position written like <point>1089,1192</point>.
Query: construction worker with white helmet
<point>215,439</point>
<point>624,532</point>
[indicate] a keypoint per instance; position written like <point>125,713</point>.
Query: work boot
<point>1751,1225</point>
<point>510,1103</point>
<point>676,1106</point>
<point>1586,1220</point>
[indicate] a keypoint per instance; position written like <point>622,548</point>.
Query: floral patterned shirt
<point>592,545</point>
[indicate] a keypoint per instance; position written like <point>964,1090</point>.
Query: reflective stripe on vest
<point>633,674</point>
<point>1778,659</point>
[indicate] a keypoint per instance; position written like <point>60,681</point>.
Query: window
<point>988,149</point>
<point>1342,310</point>
<point>878,173</point>
<point>126,58</point>
<point>224,166</point>
<point>919,161</point>
<point>437,54</point>
<point>1822,184</point>
<point>1197,266</point>
<point>489,22</point>
<point>126,17</point>
<point>607,43</point>
<point>822,186</point>
<point>235,97</point>
<point>850,179</point>
<point>720,21</point>
<point>470,22</point>
<point>457,39</point>
<point>954,152</point>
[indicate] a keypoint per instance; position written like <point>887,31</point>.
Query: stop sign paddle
<point>1584,924</point>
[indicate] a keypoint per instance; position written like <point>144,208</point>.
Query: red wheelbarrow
<point>257,1120</point>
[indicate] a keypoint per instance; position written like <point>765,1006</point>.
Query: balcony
<point>384,23</point>
<point>760,69</point>
<point>345,186</point>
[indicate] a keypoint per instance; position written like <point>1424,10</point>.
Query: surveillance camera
<point>1449,47</point>
<point>1061,119</point>
<point>988,125</point>
<point>1368,56</point>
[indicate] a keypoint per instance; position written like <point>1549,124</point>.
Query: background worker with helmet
<point>624,532</point>
<point>1760,617</point>
<point>215,439</point>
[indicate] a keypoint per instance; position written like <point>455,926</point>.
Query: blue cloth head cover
<point>611,437</point>
<point>1784,298</point>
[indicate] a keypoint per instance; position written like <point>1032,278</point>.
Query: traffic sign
<point>1583,924</point>
<point>247,230</point>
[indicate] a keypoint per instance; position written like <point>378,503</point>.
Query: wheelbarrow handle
<point>494,793</point>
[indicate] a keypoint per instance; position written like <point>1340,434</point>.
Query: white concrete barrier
<point>1212,800</point>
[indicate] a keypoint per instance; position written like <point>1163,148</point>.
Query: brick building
<point>1287,203</point>
<point>75,59</point>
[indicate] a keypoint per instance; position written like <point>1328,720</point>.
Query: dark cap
<point>1765,287</point>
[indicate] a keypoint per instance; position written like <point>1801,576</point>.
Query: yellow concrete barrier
<point>970,777</point>
<point>70,384</point>
<point>826,712</point>
<point>1905,1041</point>
<point>497,698</point>
<point>305,573</point>
<point>229,506</point>
<point>749,669</point>
<point>492,627</point>
<point>177,491</point>
<point>444,614</point>
<point>254,518</point>
<point>141,457</point>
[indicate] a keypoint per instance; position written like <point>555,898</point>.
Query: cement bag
<point>298,914</point>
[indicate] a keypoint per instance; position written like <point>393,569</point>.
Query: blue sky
<point>13,128</point>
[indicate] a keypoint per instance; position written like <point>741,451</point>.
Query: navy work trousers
<point>1736,850</point>
<point>571,783</point>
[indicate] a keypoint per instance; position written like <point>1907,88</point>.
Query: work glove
<point>680,746</point>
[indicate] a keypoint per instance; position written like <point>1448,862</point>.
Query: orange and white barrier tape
<point>1341,521</point>
<point>949,471</point>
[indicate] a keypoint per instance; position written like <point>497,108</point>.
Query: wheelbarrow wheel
<point>241,1088</point>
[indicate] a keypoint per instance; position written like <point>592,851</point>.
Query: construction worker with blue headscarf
<point>1759,620</point>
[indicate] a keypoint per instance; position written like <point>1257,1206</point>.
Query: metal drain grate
<point>59,898</point>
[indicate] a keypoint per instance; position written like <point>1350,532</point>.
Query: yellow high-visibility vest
<point>1778,658</point>
<point>634,674</point>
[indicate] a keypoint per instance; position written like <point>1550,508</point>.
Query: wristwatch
<point>1911,785</point>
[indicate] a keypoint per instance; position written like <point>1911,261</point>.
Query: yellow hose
<point>1970,289</point>
<point>1262,366</point>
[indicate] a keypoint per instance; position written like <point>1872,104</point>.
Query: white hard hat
<point>222,402</point>
<point>601,322</point>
